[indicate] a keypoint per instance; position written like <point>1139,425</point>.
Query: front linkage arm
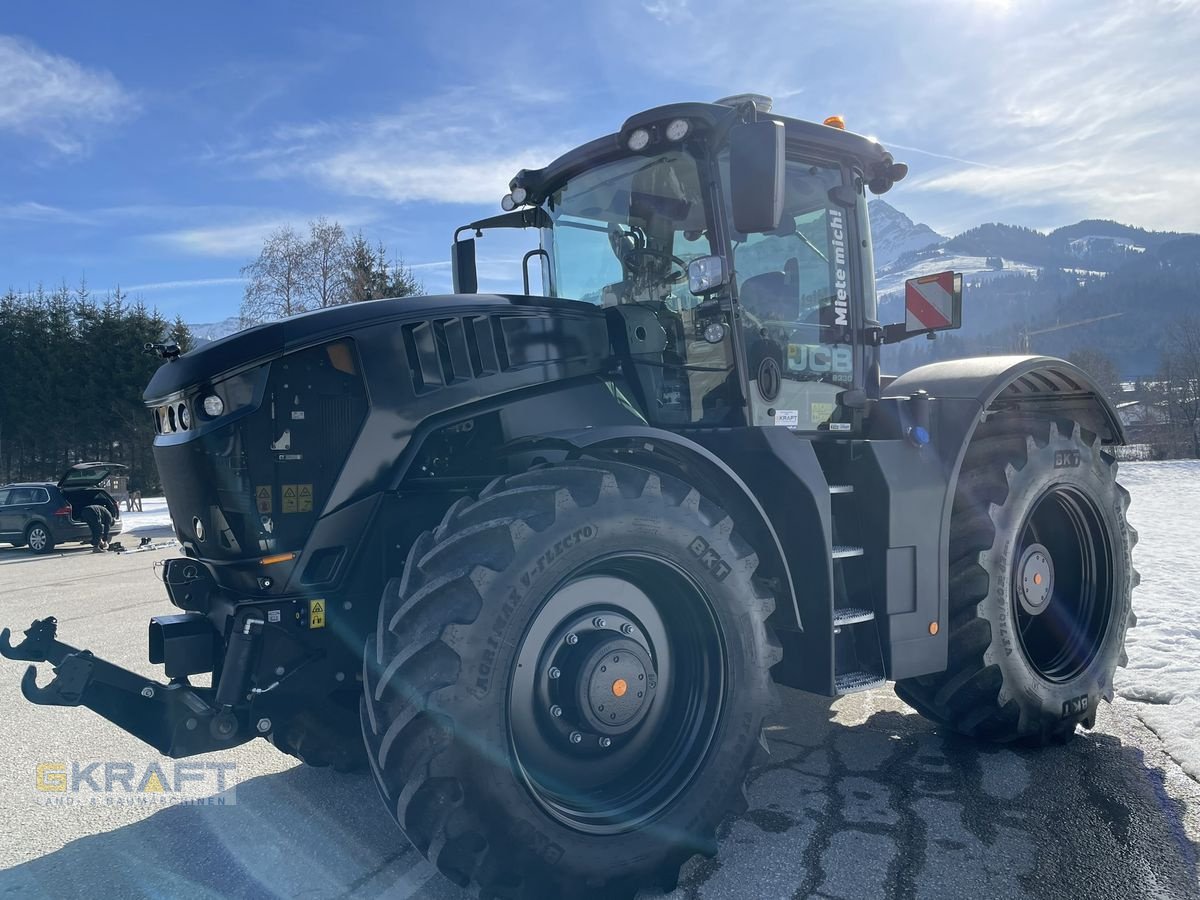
<point>176,719</point>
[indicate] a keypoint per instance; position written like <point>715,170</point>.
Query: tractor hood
<point>254,346</point>
<point>89,474</point>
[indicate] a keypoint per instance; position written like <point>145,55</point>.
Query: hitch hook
<point>38,639</point>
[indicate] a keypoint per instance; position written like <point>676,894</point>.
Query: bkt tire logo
<point>128,783</point>
<point>709,558</point>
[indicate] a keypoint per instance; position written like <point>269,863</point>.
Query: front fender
<point>684,458</point>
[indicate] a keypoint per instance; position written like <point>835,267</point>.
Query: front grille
<point>256,484</point>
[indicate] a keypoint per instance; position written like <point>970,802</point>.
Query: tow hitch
<point>176,719</point>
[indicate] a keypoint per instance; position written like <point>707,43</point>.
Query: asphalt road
<point>860,798</point>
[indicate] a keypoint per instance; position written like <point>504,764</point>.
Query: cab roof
<point>878,166</point>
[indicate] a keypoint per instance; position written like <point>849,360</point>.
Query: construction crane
<point>1027,334</point>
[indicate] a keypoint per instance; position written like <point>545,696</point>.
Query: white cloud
<point>669,11</point>
<point>459,147</point>
<point>1026,110</point>
<point>182,285</point>
<point>54,99</point>
<point>235,233</point>
<point>31,211</point>
<point>243,239</point>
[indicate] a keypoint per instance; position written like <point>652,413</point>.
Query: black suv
<point>41,514</point>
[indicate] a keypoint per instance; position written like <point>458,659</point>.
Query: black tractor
<point>539,561</point>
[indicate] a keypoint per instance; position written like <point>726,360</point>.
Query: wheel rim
<point>1062,584</point>
<point>37,539</point>
<point>616,694</point>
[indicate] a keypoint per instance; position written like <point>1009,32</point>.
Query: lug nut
<point>599,622</point>
<point>626,628</point>
<point>576,737</point>
<point>572,639</point>
<point>556,711</point>
<point>264,725</point>
<point>653,682</point>
<point>605,742</point>
<point>147,692</point>
<point>554,672</point>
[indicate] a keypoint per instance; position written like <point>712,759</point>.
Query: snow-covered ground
<point>152,521</point>
<point>1163,674</point>
<point>890,282</point>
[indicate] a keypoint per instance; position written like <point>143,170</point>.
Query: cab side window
<point>4,495</point>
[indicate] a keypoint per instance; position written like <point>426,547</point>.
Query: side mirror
<point>756,174</point>
<point>462,267</point>
<point>932,303</point>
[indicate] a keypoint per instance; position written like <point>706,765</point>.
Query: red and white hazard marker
<point>929,302</point>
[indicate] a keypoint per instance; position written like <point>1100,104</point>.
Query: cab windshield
<point>624,232</point>
<point>622,235</point>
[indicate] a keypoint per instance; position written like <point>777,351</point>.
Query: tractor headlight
<point>519,195</point>
<point>185,417</point>
<point>677,129</point>
<point>213,405</point>
<point>705,274</point>
<point>639,139</point>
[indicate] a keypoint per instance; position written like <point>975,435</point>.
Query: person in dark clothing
<point>99,520</point>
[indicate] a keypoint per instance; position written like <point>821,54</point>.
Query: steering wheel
<point>672,277</point>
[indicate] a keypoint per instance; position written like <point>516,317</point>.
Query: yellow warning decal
<point>316,613</point>
<point>304,497</point>
<point>288,491</point>
<point>820,412</point>
<point>262,497</point>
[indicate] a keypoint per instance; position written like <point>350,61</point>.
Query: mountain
<point>895,233</point>
<point>204,332</point>
<point>1097,286</point>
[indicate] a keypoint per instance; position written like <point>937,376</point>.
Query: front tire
<point>38,538</point>
<point>505,747</point>
<point>1041,577</point>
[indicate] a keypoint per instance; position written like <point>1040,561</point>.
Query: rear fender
<point>968,392</point>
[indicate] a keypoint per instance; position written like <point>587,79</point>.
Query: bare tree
<point>1100,366</point>
<point>327,257</point>
<point>276,281</point>
<point>1181,377</point>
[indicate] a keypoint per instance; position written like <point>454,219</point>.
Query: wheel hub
<point>1036,579</point>
<point>599,678</point>
<point>613,686</point>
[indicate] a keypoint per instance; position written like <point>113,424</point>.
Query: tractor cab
<point>732,252</point>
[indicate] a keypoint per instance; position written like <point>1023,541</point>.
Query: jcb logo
<point>1066,459</point>
<point>709,558</point>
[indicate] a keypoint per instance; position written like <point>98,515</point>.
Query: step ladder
<point>857,654</point>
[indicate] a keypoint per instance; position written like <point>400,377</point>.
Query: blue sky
<point>154,144</point>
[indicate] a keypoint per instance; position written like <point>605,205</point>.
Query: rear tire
<point>1041,577</point>
<point>491,656</point>
<point>38,538</point>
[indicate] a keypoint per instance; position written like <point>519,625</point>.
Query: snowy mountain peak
<point>895,233</point>
<point>204,332</point>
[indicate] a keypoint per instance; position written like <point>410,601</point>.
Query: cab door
<point>794,289</point>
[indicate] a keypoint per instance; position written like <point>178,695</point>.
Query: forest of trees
<point>74,368</point>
